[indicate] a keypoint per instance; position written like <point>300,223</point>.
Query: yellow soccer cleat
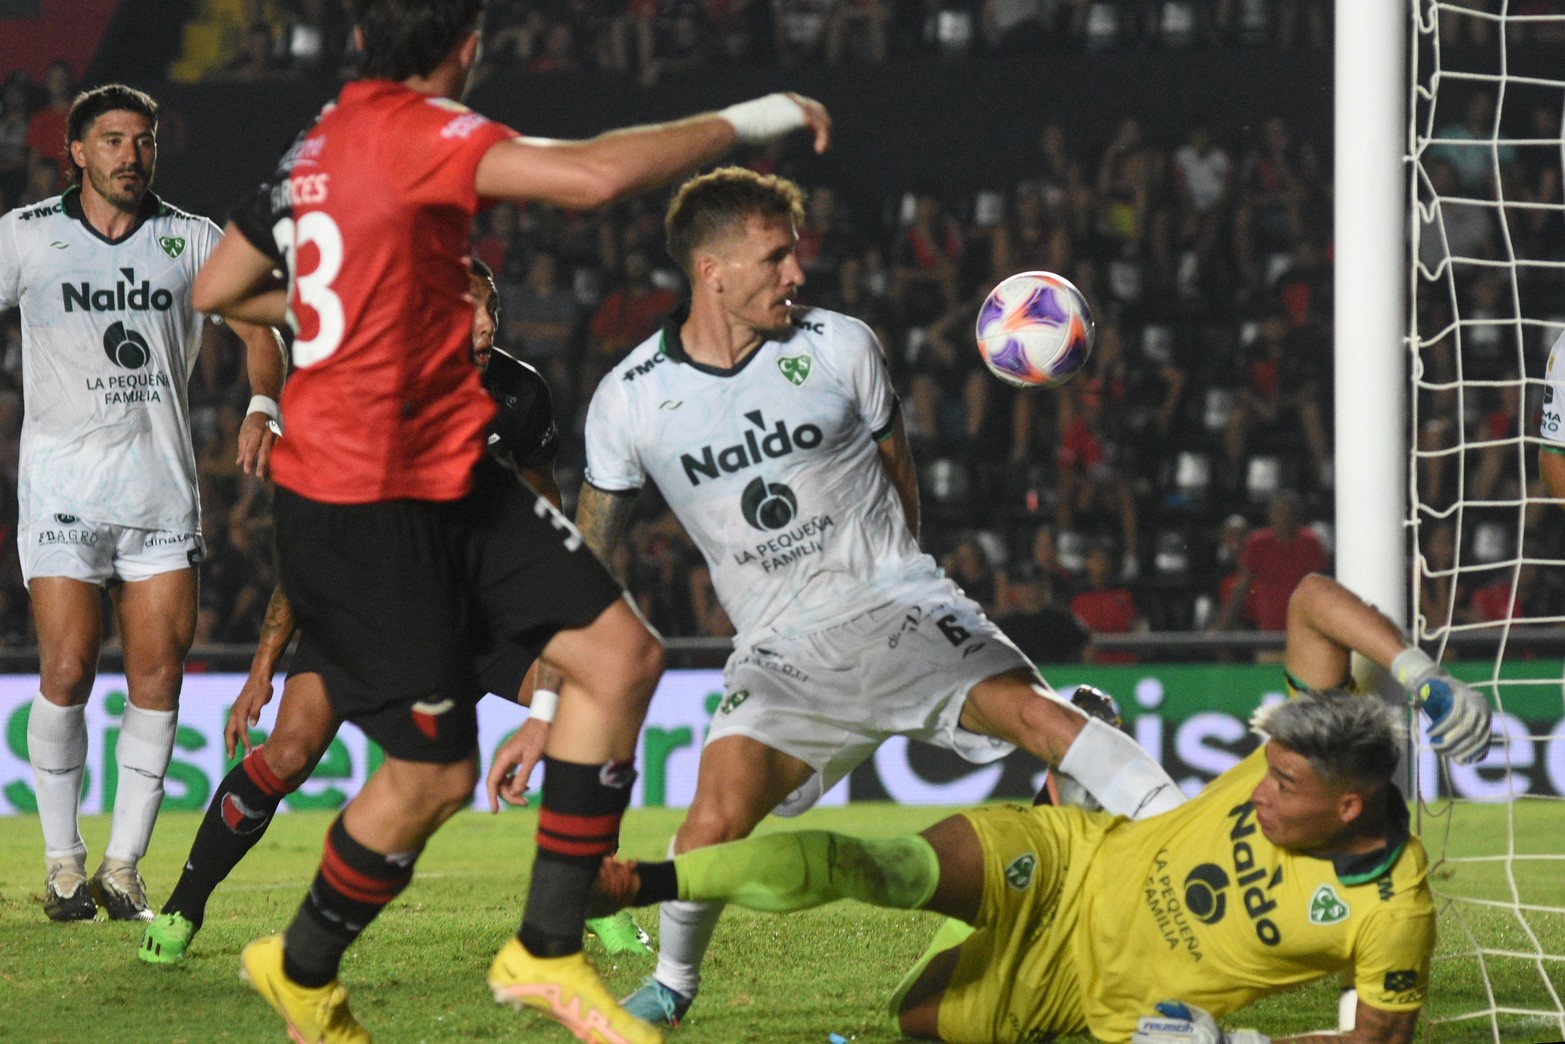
<point>568,990</point>
<point>315,1015</point>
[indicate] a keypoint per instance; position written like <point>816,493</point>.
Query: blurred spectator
<point>968,564</point>
<point>1032,238</point>
<point>1041,561</point>
<point>1013,25</point>
<point>1105,606</point>
<point>13,141</point>
<point>48,166</point>
<point>1275,559</point>
<point>1281,390</point>
<point>859,28</point>
<point>1203,181</point>
<point>1278,181</point>
<point>801,28</point>
<point>1043,629</point>
<point>1468,146</point>
<point>502,246</point>
<point>927,260</point>
<point>629,315</point>
<point>257,58</point>
<point>1089,468</point>
<point>539,319</point>
<point>1437,580</point>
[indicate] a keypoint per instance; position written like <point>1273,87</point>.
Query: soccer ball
<point>1035,330</point>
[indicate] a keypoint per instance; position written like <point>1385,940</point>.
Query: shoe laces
<point>125,879</point>
<point>68,872</point>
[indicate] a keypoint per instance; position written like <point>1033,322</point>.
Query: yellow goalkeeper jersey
<point>1196,905</point>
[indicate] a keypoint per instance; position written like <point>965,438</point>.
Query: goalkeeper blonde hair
<point>1347,739</point>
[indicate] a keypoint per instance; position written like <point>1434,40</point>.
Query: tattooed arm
<point>276,631</point>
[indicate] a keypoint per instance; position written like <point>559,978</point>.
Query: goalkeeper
<point>1294,865</point>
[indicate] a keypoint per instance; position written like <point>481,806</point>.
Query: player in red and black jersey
<point>403,558</point>
<point>524,437</point>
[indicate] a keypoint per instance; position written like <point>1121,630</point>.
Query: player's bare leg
<point>739,782</point>
<point>240,811</point>
<point>69,617</point>
<point>610,669</point>
<point>1111,766</point>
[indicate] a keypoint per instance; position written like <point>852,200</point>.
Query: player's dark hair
<point>484,272</point>
<point>404,38</point>
<point>717,203</point>
<point>1347,739</point>
<point>89,105</point>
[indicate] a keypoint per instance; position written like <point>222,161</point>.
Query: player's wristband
<point>267,405</point>
<point>759,121</point>
<point>1412,667</point>
<point>545,703</point>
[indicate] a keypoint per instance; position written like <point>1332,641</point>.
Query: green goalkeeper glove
<point>1180,1023</point>
<point>1459,717</point>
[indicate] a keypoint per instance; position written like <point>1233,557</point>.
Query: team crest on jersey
<point>796,367</point>
<point>1326,907</point>
<point>1019,873</point>
<point>173,246</point>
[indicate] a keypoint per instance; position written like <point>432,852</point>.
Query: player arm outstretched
<point>1327,623</point>
<point>276,631</point>
<point>1177,1023</point>
<point>266,360</point>
<point>620,163</point>
<point>239,281</point>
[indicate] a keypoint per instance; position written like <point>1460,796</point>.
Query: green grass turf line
<point>418,973</point>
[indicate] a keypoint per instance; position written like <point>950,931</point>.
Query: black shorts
<point>414,607</point>
<point>499,674</point>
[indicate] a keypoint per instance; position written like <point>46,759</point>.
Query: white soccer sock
<point>57,748</point>
<point>145,746</point>
<point>684,932</point>
<point>1116,771</point>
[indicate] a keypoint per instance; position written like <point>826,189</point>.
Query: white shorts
<point>96,552</point>
<point>901,669</point>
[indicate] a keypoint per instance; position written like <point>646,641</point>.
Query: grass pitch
<point>418,973</point>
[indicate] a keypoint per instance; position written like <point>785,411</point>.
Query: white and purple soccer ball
<point>1035,330</point>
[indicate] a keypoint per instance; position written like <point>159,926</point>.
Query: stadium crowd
<point>1170,486</point>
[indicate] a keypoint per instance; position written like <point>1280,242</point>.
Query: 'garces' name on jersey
<point>772,467</point>
<point>108,342</point>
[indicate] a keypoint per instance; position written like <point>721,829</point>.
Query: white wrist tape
<point>759,121</point>
<point>545,703</point>
<point>264,404</point>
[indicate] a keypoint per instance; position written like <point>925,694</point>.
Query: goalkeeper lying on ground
<point>1293,865</point>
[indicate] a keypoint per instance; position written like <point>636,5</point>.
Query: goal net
<point>1487,300</point>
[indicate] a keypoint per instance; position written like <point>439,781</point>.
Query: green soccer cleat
<point>167,939</point>
<point>619,933</point>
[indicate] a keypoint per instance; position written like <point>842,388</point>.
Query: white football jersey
<point>1552,425</point>
<point>108,342</point>
<point>772,467</point>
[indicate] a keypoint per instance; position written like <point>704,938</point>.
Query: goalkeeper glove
<point>1459,717</point>
<point>1179,1023</point>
